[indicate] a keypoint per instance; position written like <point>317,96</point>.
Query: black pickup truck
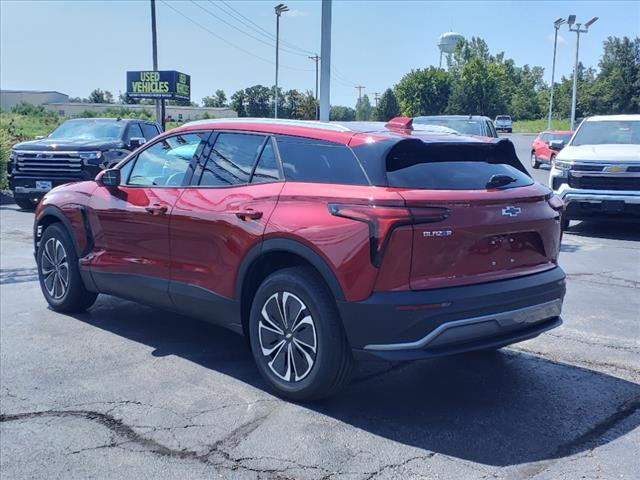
<point>77,150</point>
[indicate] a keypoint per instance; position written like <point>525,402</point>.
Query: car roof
<point>619,118</point>
<point>347,133</point>
<point>110,119</point>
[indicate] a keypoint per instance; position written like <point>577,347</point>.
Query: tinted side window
<point>133,131</point>
<point>166,162</point>
<point>267,167</point>
<point>320,164</point>
<point>231,160</point>
<point>149,131</point>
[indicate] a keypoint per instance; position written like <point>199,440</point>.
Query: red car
<point>321,242</point>
<point>542,151</point>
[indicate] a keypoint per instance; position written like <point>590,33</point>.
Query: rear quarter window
<point>320,163</point>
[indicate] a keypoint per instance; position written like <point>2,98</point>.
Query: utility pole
<point>556,25</point>
<point>571,21</point>
<point>154,46</point>
<point>376,95</point>
<point>316,58</point>
<point>278,9</point>
<point>325,66</point>
<point>360,87</point>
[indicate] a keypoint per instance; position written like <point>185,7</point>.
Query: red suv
<point>543,151</point>
<point>321,242</point>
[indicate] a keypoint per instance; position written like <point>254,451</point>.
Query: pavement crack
<point>394,466</point>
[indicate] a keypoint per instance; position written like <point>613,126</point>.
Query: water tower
<point>447,44</point>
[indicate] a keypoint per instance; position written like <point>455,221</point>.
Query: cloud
<point>561,39</point>
<point>296,13</point>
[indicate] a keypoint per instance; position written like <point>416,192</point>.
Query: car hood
<point>47,144</point>
<point>601,153</point>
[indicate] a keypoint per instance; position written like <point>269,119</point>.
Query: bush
<point>5,151</point>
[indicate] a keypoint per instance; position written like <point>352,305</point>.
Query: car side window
<point>149,131</point>
<point>492,129</point>
<point>267,167</point>
<point>166,162</point>
<point>133,131</point>
<point>320,163</point>
<point>232,159</point>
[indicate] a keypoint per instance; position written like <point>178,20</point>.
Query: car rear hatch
<point>499,223</point>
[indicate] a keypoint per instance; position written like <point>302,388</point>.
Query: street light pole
<point>556,25</point>
<point>278,9</point>
<point>571,21</point>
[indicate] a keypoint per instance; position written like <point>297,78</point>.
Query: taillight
<point>383,219</point>
<point>556,203</point>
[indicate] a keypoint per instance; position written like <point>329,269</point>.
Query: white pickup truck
<point>597,173</point>
<point>503,123</point>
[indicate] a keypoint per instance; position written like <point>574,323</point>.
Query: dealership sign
<point>159,84</point>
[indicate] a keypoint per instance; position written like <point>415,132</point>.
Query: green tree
<point>387,106</point>
<point>238,102</point>
<point>619,77</point>
<point>218,99</point>
<point>343,114</point>
<point>308,106</point>
<point>423,92</point>
<point>259,101</point>
<point>99,96</point>
<point>364,110</point>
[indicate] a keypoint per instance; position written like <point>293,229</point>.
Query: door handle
<point>157,209</point>
<point>249,213</point>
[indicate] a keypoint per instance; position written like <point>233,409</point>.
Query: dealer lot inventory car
<point>598,173</point>
<point>503,123</point>
<point>546,146</point>
<point>321,242</point>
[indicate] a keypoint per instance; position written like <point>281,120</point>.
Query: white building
<point>10,98</point>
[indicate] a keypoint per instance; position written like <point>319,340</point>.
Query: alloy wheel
<point>287,336</point>
<point>55,269</point>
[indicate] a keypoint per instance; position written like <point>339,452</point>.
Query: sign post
<point>159,85</point>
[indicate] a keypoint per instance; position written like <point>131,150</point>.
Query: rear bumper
<point>421,324</point>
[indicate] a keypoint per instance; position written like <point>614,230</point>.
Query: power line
<point>230,43</point>
<point>254,26</point>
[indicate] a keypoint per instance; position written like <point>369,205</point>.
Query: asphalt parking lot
<point>127,391</point>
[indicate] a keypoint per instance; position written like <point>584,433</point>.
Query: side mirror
<point>135,142</point>
<point>556,144</point>
<point>109,178</point>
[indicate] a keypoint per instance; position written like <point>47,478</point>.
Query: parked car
<point>77,150</point>
<point>546,146</point>
<point>598,173</point>
<point>467,124</point>
<point>503,123</point>
<point>319,241</point>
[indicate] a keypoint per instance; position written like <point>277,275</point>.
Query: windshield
<point>88,130</point>
<point>503,118</point>
<point>565,137</point>
<point>608,132</point>
<point>461,125</point>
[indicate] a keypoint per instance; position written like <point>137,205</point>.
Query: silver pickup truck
<point>597,173</point>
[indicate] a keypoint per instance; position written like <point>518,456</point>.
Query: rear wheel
<point>59,274</point>
<point>25,203</point>
<point>534,160</point>
<point>297,337</point>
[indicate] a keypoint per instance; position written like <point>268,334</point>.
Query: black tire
<point>322,371</point>
<point>535,163</point>
<point>25,203</point>
<point>56,257</point>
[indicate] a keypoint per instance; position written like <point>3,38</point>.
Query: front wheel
<point>59,274</point>
<point>534,160</point>
<point>296,335</point>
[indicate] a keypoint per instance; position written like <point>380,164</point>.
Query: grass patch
<point>537,126</point>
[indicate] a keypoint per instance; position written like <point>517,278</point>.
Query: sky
<point>76,46</point>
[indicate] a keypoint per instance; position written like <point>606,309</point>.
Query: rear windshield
<point>503,117</point>
<point>462,125</point>
<point>451,168</point>
<point>608,132</point>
